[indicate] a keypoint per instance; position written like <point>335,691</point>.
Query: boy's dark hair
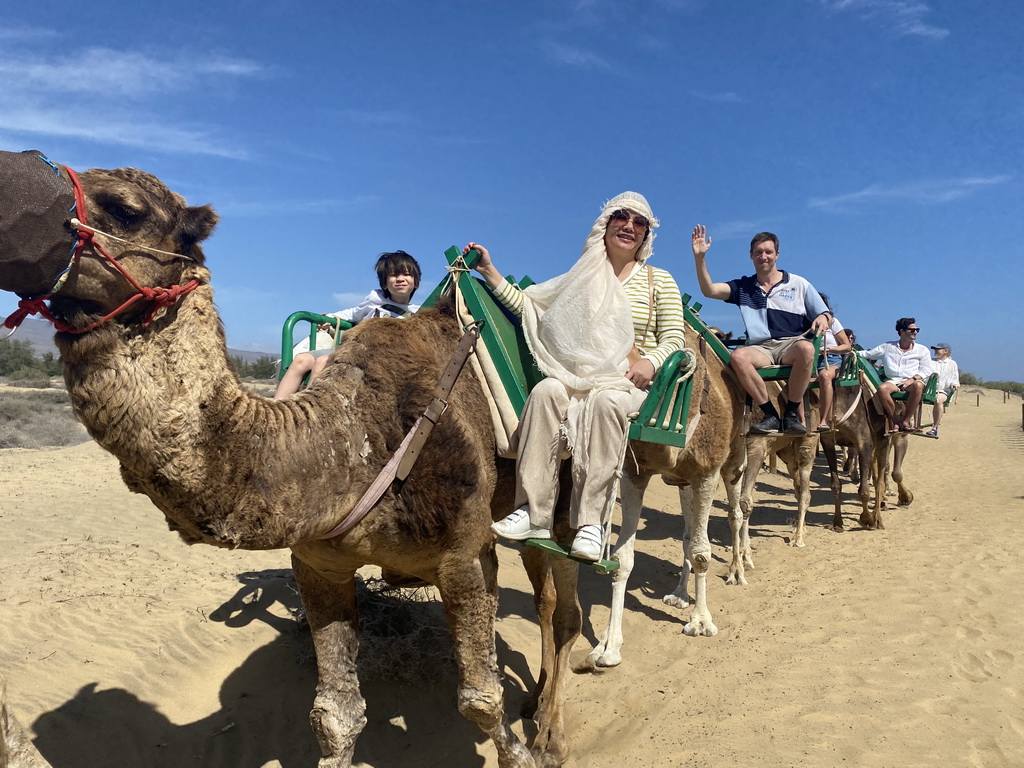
<point>397,263</point>
<point>903,323</point>
<point>760,237</point>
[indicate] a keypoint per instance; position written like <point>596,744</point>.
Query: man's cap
<point>941,346</point>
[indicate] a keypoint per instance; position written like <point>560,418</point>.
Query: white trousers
<point>541,446</point>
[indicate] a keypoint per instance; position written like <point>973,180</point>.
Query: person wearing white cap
<point>949,383</point>
<point>581,327</point>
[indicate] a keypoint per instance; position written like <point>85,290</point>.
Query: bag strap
<point>650,305</point>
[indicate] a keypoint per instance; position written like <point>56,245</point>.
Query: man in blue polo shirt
<point>779,310</point>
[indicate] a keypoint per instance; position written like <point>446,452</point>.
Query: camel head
<point>155,238</point>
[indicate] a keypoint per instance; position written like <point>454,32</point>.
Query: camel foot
<point>797,543</point>
<point>905,499</point>
<point>700,627</point>
<point>837,528</point>
<point>736,579</point>
<point>548,752</point>
<point>518,756</point>
<point>602,657</point>
<point>677,600</point>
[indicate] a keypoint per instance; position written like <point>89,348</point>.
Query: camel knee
<point>483,707</point>
<point>337,726</point>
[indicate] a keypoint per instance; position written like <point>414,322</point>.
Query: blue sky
<point>880,139</point>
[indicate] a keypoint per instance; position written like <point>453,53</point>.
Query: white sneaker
<point>589,543</point>
<point>518,527</point>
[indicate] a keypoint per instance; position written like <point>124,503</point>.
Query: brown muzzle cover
<point>36,237</point>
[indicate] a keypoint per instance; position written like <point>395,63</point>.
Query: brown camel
<point>798,452</point>
<point>237,470</point>
<point>860,425</point>
<point>714,448</point>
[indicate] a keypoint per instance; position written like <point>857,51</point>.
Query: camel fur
<point>233,469</point>
<point>16,749</point>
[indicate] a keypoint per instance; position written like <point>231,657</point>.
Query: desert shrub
<point>38,419</point>
<point>403,634</point>
<point>34,378</point>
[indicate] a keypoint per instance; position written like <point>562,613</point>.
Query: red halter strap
<point>160,297</point>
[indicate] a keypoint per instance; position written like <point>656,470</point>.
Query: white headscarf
<point>579,325</point>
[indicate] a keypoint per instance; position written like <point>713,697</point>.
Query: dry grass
<point>34,417</point>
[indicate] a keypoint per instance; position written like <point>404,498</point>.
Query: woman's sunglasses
<point>624,215</point>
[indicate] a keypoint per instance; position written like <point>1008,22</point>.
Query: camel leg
<point>469,592</point>
<point>904,497</point>
<point>739,524</point>
<point>696,503</point>
<point>800,468</point>
<point>864,481</point>
<point>828,445</point>
<point>608,652</point>
<point>558,609</point>
<point>339,711</point>
<point>680,597</point>
<point>879,455</point>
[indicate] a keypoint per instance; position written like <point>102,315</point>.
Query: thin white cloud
<point>123,101</point>
<point>932,192</point>
<point>723,97</point>
<point>26,33</point>
<point>107,128</point>
<point>116,74</point>
<point>574,56</point>
<point>904,17</point>
<point>381,118</point>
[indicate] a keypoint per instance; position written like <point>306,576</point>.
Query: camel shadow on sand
<point>265,703</point>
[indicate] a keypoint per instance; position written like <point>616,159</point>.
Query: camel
<point>714,448</point>
<point>232,469</point>
<point>860,425</point>
<point>798,452</point>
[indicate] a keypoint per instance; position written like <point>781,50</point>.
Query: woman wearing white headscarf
<point>580,327</point>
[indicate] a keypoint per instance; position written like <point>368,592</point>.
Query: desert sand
<point>124,647</point>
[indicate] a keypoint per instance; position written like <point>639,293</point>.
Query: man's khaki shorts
<point>775,349</point>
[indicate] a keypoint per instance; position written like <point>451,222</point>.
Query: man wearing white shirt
<point>906,365</point>
<point>949,382</point>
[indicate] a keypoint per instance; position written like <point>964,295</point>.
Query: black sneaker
<point>769,425</point>
<point>791,425</point>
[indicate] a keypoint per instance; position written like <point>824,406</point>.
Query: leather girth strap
<point>401,463</point>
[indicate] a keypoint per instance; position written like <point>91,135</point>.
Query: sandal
<point>823,428</point>
<point>933,432</point>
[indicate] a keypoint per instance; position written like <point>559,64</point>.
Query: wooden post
<point>977,400</point>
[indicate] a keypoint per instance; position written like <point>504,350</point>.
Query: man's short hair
<point>397,263</point>
<point>760,237</point>
<point>903,323</point>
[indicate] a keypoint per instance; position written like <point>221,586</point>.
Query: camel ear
<point>196,225</point>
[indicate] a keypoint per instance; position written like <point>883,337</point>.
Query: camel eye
<point>123,213</point>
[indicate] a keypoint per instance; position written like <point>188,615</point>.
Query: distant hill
<point>39,334</point>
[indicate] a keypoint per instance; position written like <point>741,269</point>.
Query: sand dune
<point>124,647</point>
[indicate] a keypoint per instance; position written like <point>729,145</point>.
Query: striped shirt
<point>665,334</point>
<point>787,309</point>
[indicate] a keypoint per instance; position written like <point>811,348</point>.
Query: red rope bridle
<point>160,297</point>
